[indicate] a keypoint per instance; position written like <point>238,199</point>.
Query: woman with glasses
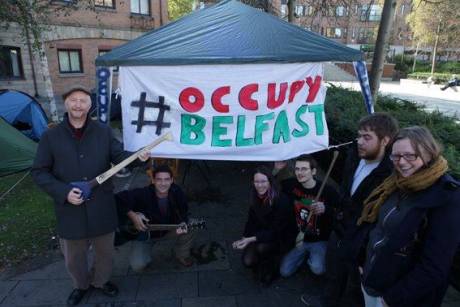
<point>265,228</point>
<point>417,210</point>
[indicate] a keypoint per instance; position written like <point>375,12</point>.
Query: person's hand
<point>139,220</point>
<point>74,197</point>
<point>144,156</point>
<point>317,208</point>
<point>182,229</point>
<point>242,243</point>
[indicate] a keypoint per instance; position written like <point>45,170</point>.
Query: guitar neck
<point>157,227</point>
<point>106,175</point>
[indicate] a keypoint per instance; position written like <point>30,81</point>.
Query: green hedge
<point>345,107</point>
<point>437,77</point>
<point>405,65</point>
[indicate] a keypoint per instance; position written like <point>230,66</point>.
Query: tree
<point>381,43</point>
<point>32,16</point>
<point>179,8</point>
<point>435,23</point>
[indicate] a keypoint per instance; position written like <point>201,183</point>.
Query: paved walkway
<point>218,280</point>
<point>431,97</point>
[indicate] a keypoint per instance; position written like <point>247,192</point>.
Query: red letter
<point>245,97</point>
<point>296,86</point>
<point>314,87</point>
<point>186,104</point>
<point>216,99</point>
<point>272,102</point>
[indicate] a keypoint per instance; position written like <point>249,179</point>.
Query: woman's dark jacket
<point>61,158</point>
<point>145,200</point>
<point>272,224</point>
<point>411,249</point>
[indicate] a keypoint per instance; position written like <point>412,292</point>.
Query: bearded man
<point>366,167</point>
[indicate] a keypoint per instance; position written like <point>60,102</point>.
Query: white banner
<point>252,112</point>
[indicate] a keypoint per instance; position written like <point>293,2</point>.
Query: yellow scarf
<point>421,180</point>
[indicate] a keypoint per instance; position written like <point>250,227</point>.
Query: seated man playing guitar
<point>162,202</point>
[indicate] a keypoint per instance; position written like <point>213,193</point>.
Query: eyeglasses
<point>407,157</point>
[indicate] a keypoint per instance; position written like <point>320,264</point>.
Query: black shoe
<point>76,296</point>
<point>109,289</point>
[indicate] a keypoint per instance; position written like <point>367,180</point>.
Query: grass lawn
<point>27,221</point>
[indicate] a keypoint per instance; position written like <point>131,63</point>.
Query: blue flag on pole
<point>361,73</point>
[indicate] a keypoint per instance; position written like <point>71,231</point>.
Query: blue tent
<point>23,112</point>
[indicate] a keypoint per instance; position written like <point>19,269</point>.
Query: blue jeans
<point>294,259</point>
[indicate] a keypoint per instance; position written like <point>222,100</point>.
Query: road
<point>447,102</point>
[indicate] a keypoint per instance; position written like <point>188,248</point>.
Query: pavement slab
<point>221,301</point>
<point>167,286</point>
<point>5,288</point>
<point>55,270</point>
<point>128,286</point>
<point>225,283</point>
<point>39,292</point>
<point>270,299</point>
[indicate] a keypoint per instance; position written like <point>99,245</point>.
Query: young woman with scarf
<point>266,227</point>
<point>417,210</point>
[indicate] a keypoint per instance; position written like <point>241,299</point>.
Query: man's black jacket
<point>352,238</point>
<point>145,200</point>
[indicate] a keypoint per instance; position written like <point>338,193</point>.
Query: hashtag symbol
<point>142,103</point>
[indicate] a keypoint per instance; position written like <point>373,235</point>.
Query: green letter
<point>299,133</point>
<point>240,140</point>
<point>281,128</point>
<point>188,128</point>
<point>218,130</point>
<point>318,109</point>
<point>262,126</point>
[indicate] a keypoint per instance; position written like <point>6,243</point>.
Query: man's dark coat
<point>352,237</point>
<point>144,200</point>
<point>61,158</point>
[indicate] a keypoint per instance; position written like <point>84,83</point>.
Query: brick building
<point>355,25</point>
<point>72,41</point>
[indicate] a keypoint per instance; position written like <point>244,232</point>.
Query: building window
<point>141,7</point>
<point>308,10</point>
<point>375,13</point>
<point>283,10</point>
<point>370,13</point>
<point>341,11</point>
<point>70,61</point>
<point>365,34</point>
<point>335,32</point>
<point>104,51</point>
<point>105,3</point>
<point>299,10</point>
<point>10,63</point>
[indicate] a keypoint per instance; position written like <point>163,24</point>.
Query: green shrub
<point>441,67</point>
<point>345,107</point>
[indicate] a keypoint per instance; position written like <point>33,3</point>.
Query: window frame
<point>80,59</point>
<point>113,6</point>
<point>149,9</point>
<point>19,62</point>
